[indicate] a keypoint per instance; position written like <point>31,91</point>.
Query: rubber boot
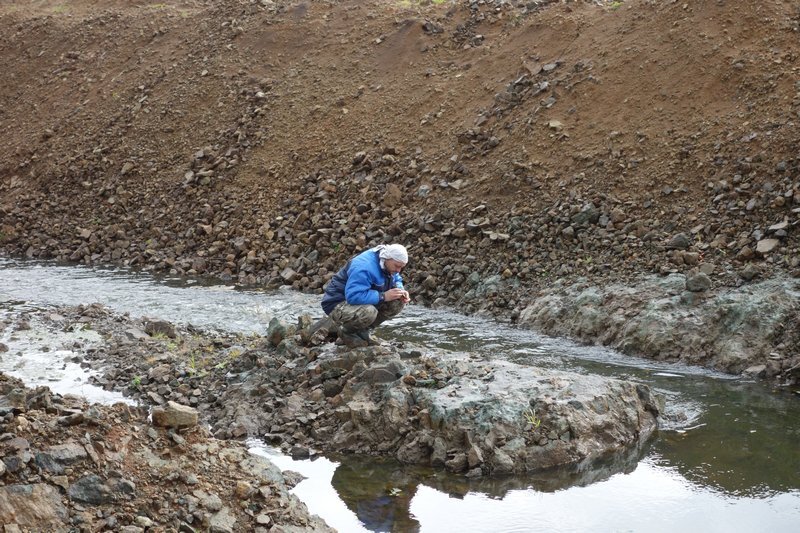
<point>351,340</point>
<point>371,341</point>
<point>322,327</point>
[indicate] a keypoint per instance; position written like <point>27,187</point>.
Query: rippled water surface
<point>726,459</point>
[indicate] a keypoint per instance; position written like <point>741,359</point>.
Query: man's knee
<point>354,317</point>
<point>388,310</point>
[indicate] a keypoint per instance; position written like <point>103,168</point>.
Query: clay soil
<point>215,137</point>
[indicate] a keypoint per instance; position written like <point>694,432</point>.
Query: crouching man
<point>367,291</point>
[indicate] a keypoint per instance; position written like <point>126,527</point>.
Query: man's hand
<point>396,294</point>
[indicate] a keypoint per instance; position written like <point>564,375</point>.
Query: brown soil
<point>130,130</point>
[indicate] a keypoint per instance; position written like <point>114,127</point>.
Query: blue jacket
<point>360,281</point>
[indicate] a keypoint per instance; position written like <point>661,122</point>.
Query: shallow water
<point>726,457</point>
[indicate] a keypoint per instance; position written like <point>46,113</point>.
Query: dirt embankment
<point>506,146</point>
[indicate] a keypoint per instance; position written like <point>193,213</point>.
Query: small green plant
<point>192,364</point>
<point>615,5</point>
<point>531,418</point>
<point>229,358</point>
<point>197,366</point>
<point>136,382</point>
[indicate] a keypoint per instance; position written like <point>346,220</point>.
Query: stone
<point>276,331</point>
<point>474,457</point>
<point>243,490</point>
<point>749,272</point>
<point>47,463</point>
<point>698,282</point>
<point>159,327</point>
<point>60,481</point>
<point>300,452</point>
<point>745,253</point>
<point>289,275</point>
<point>90,489</point>
<point>35,507</point>
<point>393,196</point>
<point>765,246</point>
<point>212,502</point>
<point>71,420</point>
<point>222,522</point>
<point>707,268</point>
<point>458,463</point>
<point>67,453</point>
<point>588,215</point>
<point>174,415</point>
<point>681,241</point>
<point>136,334</point>
<point>755,371</point>
<point>781,226</point>
<point>691,258</point>
<point>143,521</point>
<point>124,486</point>
<point>439,453</point>
<point>617,215</point>
<point>503,464</point>
<point>378,375</point>
<point>17,444</point>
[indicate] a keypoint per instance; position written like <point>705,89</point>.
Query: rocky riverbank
<point>474,416</point>
<point>752,330</point>
<point>69,466</point>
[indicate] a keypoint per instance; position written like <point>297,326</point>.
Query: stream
<point>726,457</point>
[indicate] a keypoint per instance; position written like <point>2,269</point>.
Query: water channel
<point>727,456</point>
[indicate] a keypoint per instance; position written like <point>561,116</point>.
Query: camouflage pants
<point>354,318</point>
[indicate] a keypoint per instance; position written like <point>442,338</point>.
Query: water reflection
<point>747,445</point>
<point>380,492</point>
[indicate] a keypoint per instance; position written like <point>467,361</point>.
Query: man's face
<point>393,266</point>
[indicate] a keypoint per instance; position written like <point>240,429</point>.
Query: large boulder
<point>36,507</point>
<point>729,329</point>
<point>174,415</point>
<point>497,417</point>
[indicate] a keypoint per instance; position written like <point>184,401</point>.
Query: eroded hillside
<point>511,142</point>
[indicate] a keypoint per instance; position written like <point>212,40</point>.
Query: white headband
<point>392,251</point>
